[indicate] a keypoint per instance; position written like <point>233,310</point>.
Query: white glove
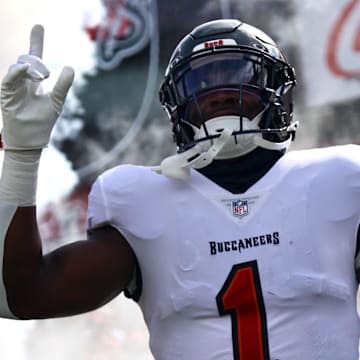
<point>28,113</point>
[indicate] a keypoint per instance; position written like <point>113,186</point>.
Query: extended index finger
<point>36,40</point>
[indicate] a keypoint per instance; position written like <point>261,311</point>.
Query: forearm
<point>22,260</point>
<point>7,212</point>
<point>20,245</point>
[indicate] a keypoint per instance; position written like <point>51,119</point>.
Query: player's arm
<point>75,278</point>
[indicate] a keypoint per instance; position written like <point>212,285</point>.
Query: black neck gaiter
<point>238,175</point>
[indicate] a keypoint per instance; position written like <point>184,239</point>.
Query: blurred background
<point>119,49</point>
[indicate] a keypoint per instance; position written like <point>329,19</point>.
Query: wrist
<point>18,180</point>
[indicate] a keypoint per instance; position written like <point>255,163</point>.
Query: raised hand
<point>29,113</point>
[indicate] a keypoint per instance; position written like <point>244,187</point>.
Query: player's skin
<point>73,279</point>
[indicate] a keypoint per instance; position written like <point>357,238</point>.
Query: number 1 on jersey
<point>241,298</point>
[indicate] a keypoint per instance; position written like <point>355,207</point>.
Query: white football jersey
<point>264,275</point>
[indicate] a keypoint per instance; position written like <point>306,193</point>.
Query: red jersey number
<point>241,298</point>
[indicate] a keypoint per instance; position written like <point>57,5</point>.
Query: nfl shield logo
<point>240,207</point>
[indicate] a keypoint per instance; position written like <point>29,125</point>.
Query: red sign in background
<point>335,38</point>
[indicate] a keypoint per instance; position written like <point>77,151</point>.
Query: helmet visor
<point>221,102</point>
<point>222,84</point>
<point>220,70</point>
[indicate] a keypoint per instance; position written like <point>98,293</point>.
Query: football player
<point>233,248</point>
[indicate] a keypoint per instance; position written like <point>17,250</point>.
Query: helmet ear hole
<point>183,134</point>
<point>166,96</point>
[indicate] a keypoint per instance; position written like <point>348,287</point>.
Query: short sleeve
<point>98,210</point>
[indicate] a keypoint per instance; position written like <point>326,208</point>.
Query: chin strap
<point>279,146</point>
<point>270,145</point>
<point>178,166</point>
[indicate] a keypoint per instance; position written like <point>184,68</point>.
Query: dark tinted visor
<point>216,70</point>
<point>220,102</point>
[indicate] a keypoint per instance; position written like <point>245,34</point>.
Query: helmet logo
<point>214,43</point>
